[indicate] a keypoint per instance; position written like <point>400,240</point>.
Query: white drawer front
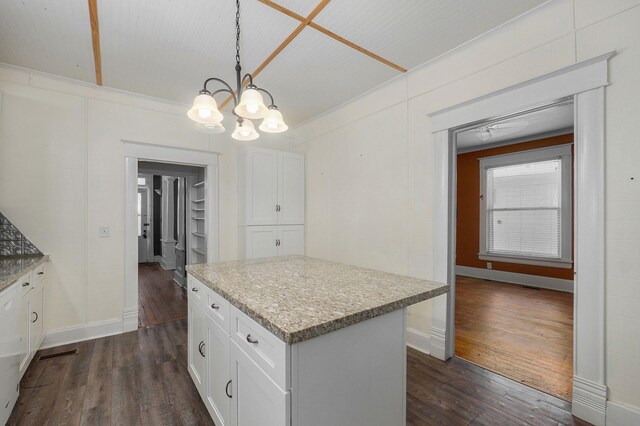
<point>38,274</point>
<point>217,308</point>
<point>269,352</point>
<point>196,290</point>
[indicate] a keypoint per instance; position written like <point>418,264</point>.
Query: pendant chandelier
<point>248,104</point>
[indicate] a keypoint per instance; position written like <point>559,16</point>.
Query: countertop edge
<point>7,282</point>
<point>327,327</point>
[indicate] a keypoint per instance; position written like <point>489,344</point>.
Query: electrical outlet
<point>103,231</point>
<point>489,265</point>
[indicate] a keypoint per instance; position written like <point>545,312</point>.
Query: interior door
<point>143,225</point>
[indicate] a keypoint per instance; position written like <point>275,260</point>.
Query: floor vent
<point>58,354</point>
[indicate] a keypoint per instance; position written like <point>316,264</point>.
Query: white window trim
<point>560,151</point>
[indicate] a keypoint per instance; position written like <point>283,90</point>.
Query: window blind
<point>524,214</point>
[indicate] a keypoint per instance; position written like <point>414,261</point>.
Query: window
<point>525,207</point>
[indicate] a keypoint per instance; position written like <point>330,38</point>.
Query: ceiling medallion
<point>248,104</point>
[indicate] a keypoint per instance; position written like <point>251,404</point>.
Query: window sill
<point>562,264</point>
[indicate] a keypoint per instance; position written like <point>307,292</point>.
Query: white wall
<point>370,162</point>
<point>62,176</point>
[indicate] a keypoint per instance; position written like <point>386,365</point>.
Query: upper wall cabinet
<point>271,187</point>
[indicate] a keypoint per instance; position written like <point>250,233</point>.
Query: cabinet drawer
<point>196,290</point>
<point>269,352</point>
<point>26,283</point>
<point>39,275</point>
<point>217,308</point>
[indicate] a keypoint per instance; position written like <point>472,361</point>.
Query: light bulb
<point>253,107</point>
<point>204,112</point>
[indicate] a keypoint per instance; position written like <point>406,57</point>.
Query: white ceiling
<point>539,123</point>
<point>166,48</point>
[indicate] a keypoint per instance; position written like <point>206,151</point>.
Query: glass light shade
<point>205,110</point>
<point>246,132</point>
<point>214,128</point>
<point>273,122</point>
<point>251,105</point>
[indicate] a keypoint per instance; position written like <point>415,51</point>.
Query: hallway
<point>160,298</point>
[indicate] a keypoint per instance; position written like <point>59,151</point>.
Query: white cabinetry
<point>257,400</point>
<point>21,333</point>
<point>241,377</point>
<point>270,203</point>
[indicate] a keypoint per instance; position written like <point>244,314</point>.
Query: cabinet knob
<point>194,289</point>
<point>251,340</point>
<point>25,284</point>
<point>36,318</point>
<point>214,306</point>
<point>226,389</point>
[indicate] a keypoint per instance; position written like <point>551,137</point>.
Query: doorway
<point>514,247</point>
<point>585,82</point>
<point>171,235</point>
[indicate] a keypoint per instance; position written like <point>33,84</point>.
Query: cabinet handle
<point>194,289</point>
<point>201,349</point>
<point>25,284</point>
<point>277,243</point>
<point>40,273</point>
<point>251,340</point>
<point>214,306</point>
<point>36,318</point>
<point>277,207</point>
<point>226,389</point>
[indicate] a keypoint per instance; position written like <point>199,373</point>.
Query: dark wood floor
<point>523,333</point>
<point>160,298</point>
<point>141,378</point>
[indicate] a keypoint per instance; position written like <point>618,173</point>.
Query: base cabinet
<point>257,400</point>
<point>217,386</point>
<point>196,340</point>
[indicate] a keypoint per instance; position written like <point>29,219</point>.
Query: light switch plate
<point>103,231</point>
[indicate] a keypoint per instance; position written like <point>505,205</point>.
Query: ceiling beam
<point>331,34</point>
<point>95,38</point>
<point>303,23</point>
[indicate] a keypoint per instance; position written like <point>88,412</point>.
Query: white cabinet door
<point>196,341</point>
<point>9,349</point>
<point>290,188</point>
<point>261,241</point>
<point>23,326</point>
<point>216,352</point>
<point>257,400</point>
<point>290,240</point>
<point>262,187</point>
<point>36,319</point>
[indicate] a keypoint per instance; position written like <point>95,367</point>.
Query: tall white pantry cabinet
<point>270,203</point>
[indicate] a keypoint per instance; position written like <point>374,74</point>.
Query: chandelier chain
<point>237,32</point>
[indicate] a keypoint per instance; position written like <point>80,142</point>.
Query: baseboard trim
<point>619,414</point>
<point>418,340</point>
<point>437,343</point>
<point>79,333</point>
<point>516,278</point>
<point>589,401</point>
<point>130,320</point>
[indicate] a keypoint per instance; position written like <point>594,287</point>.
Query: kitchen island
<point>300,341</point>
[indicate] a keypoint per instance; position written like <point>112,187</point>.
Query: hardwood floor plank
<point>160,298</point>
<point>523,333</point>
<point>155,388</point>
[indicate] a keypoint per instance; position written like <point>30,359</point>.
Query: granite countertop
<point>14,267</point>
<point>298,298</point>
